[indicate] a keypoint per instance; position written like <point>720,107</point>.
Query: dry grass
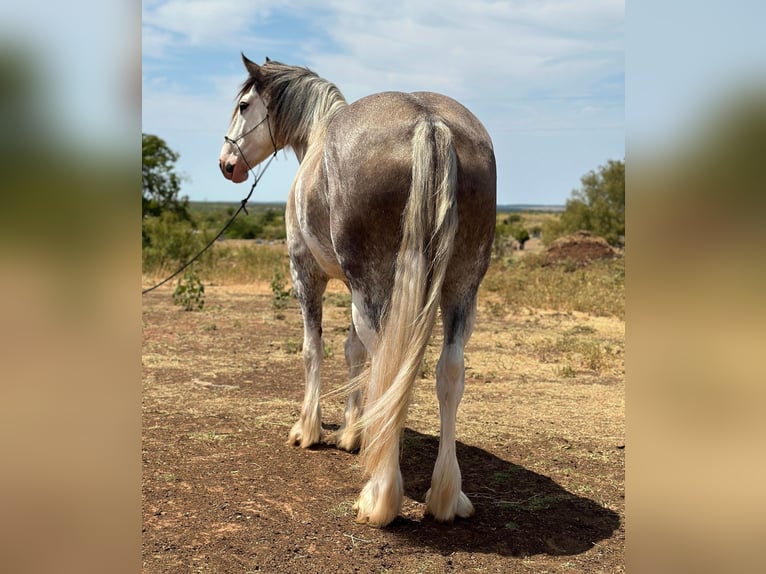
<point>525,281</point>
<point>521,280</point>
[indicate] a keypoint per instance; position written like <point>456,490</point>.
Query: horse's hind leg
<point>381,498</point>
<point>445,499</point>
<point>309,284</point>
<point>349,435</point>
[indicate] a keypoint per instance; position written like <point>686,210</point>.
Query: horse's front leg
<point>309,285</point>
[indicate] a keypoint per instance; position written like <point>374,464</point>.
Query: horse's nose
<point>225,167</point>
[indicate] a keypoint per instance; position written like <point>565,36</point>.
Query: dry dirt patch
<point>540,430</point>
<point>579,248</point>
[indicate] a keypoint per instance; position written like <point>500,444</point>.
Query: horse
<point>395,195</point>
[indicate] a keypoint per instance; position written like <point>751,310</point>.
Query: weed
<point>495,308</point>
<point>500,478</point>
<point>427,367</point>
<point>341,509</point>
<point>593,358</point>
<point>546,502</point>
<point>340,300</point>
<point>281,293</point>
<point>206,436</point>
<point>581,330</point>
<point>567,371</point>
<point>190,292</point>
<point>586,353</point>
<point>292,346</point>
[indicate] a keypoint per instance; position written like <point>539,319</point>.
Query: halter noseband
<point>233,142</point>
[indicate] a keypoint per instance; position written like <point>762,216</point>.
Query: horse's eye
<point>243,106</point>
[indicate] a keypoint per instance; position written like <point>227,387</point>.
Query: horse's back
<point>384,123</point>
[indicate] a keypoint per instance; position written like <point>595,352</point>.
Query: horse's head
<point>249,139</point>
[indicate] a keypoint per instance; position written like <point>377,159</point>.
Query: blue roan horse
<point>394,196</point>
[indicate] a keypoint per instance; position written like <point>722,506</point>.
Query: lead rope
<point>242,205</point>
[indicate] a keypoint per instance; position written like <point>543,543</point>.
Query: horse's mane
<point>298,99</point>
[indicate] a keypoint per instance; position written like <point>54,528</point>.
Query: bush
<point>521,235</point>
<point>169,241</point>
<point>598,206</point>
<point>245,227</point>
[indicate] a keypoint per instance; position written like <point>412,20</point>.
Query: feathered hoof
<point>445,509</point>
<point>346,439</point>
<point>379,502</point>
<point>305,435</point>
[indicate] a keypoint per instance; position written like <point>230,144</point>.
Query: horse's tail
<point>429,225</point>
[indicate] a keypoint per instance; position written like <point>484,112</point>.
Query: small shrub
<point>594,357</point>
<point>567,372</point>
<point>190,292</point>
<point>281,293</point>
<point>292,346</point>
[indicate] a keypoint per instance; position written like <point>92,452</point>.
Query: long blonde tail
<point>429,227</point>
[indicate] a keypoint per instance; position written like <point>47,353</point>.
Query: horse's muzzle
<point>225,167</point>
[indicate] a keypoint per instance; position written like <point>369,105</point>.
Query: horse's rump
<point>368,159</point>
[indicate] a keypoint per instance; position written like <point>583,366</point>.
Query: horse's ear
<point>252,68</point>
<point>268,59</point>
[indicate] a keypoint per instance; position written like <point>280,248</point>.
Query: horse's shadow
<point>518,512</point>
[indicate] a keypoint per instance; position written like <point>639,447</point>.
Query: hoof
<point>305,435</point>
<point>379,502</point>
<point>347,440</point>
<point>445,510</point>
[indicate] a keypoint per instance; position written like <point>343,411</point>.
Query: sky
<point>545,77</point>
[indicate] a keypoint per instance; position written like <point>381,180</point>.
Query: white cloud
<point>468,47</point>
<point>201,22</point>
<point>171,106</point>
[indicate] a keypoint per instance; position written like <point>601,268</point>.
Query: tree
<point>521,235</point>
<point>160,183</point>
<point>598,206</point>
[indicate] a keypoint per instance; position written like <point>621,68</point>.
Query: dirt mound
<point>580,248</point>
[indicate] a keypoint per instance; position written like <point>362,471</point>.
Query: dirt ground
<point>541,433</point>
